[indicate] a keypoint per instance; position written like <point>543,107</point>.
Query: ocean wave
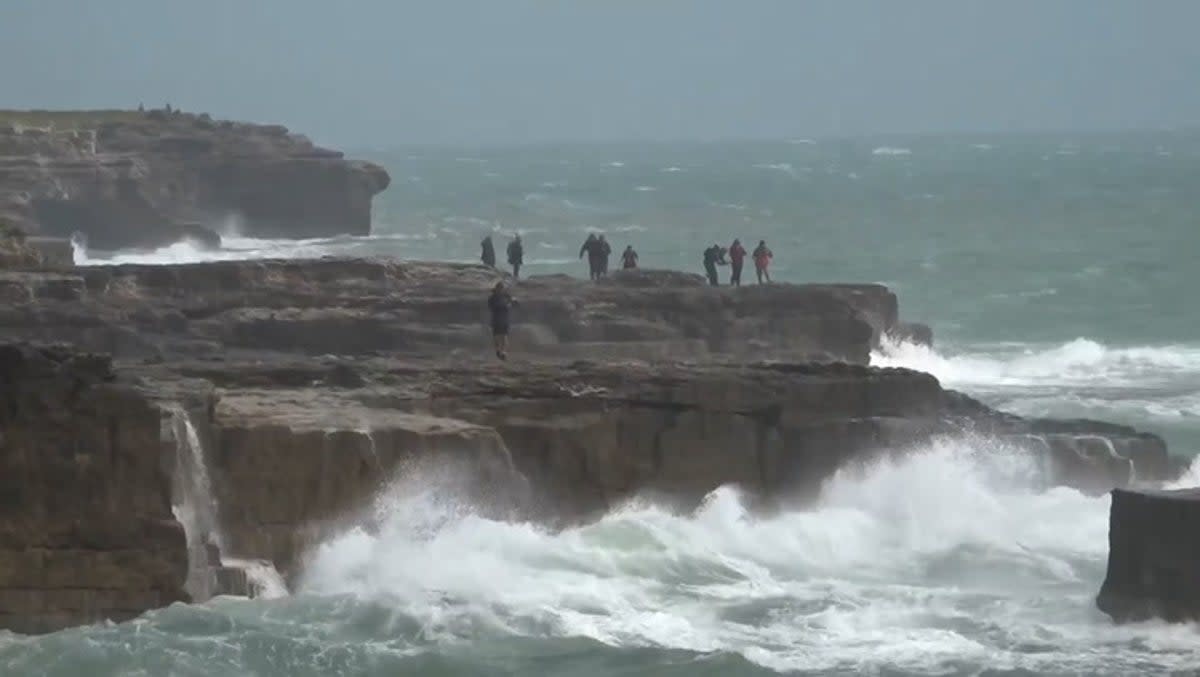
<point>891,150</point>
<point>1079,362</point>
<point>645,189</point>
<point>247,248</point>
<point>785,167</point>
<point>948,559</point>
<point>897,555</point>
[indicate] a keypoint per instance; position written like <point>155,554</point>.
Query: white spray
<point>195,506</point>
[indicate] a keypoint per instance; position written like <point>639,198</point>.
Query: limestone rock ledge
<point>95,512</point>
<point>373,307</point>
<point>86,527</point>
<point>127,179</point>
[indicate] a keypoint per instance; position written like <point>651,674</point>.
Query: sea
<point>1058,272</point>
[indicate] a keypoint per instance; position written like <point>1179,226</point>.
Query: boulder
<point>1153,556</point>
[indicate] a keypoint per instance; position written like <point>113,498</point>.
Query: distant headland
<point>150,177</point>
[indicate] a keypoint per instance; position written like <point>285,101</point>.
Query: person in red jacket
<point>762,259</point>
<point>737,256</point>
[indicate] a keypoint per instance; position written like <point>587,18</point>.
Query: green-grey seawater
<point>1057,273</point>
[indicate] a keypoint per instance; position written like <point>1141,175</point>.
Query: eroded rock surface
<point>361,306</point>
<point>147,180</point>
<point>86,527</point>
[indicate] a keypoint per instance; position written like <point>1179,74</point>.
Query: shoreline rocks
<point>245,411</point>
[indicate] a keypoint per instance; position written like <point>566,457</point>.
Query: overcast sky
<point>385,72</point>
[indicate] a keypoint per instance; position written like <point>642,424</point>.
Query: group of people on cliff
<point>598,251</point>
<point>715,256</point>
<point>516,254</point>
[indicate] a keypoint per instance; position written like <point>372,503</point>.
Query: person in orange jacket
<point>762,260</point>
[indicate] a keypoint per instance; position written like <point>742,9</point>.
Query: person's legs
<point>767,274</point>
<point>516,271</point>
<point>735,275</point>
<point>759,272</point>
<point>500,340</point>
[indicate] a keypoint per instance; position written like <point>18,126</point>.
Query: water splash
<point>1075,363</point>
<point>195,506</point>
<point>900,555</point>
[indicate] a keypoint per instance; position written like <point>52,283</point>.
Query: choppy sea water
<point>1057,273</point>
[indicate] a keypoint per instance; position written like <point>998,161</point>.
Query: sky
<point>377,73</point>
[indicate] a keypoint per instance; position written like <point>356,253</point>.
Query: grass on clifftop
<point>67,119</point>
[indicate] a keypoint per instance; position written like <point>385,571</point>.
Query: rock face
<point>15,250</point>
<point>86,528</point>
<point>254,407</point>
<point>1153,557</point>
<point>128,179</point>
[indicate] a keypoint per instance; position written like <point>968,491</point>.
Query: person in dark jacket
<point>590,247</point>
<point>737,256</point>
<point>488,254</point>
<point>713,256</point>
<point>629,258</point>
<point>605,251</point>
<point>516,255</point>
<point>500,305</point>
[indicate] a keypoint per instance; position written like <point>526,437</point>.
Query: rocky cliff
<point>255,406</point>
<point>129,179</point>
<point>86,527</point>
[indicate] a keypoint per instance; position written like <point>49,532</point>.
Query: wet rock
<point>231,581</point>
<point>1153,556</point>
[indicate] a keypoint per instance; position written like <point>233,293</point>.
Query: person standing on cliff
<point>516,255</point>
<point>500,305</point>
<point>629,258</point>
<point>713,256</point>
<point>591,249</point>
<point>762,261</point>
<point>737,256</point>
<point>488,255</point>
<point>605,252</point>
